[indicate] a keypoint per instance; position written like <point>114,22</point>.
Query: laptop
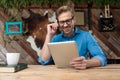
<point>63,53</point>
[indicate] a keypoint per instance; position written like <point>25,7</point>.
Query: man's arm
<point>45,54</point>
<point>98,57</point>
<point>82,63</point>
<point>51,31</point>
<point>94,62</point>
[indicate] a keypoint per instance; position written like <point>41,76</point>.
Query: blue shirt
<point>85,44</point>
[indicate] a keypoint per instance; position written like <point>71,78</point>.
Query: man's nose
<point>65,24</point>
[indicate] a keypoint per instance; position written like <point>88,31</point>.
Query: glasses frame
<point>68,21</point>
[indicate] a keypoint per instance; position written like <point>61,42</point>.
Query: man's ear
<point>74,19</point>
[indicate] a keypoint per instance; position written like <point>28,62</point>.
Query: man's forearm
<point>93,62</point>
<point>45,54</point>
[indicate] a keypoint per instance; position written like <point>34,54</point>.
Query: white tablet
<point>63,52</point>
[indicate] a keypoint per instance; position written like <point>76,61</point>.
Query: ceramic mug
<point>12,58</point>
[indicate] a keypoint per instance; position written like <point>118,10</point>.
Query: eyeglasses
<point>68,22</point>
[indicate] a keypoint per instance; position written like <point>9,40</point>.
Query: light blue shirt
<point>85,44</point>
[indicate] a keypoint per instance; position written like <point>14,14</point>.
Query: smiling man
<point>69,32</point>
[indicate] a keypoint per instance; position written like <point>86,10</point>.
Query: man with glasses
<point>84,40</point>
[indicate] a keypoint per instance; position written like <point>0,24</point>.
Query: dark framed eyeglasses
<point>68,22</point>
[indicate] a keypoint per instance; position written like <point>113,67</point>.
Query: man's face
<point>66,23</point>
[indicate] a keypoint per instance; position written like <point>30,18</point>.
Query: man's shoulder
<point>57,37</point>
<point>83,31</point>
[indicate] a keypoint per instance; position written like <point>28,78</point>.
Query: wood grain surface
<point>50,72</point>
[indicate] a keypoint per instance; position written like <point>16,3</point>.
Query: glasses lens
<point>68,22</point>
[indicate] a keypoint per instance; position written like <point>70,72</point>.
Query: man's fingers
<point>79,66</point>
<point>75,62</point>
<point>79,59</point>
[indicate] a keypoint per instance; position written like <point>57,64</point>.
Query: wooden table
<point>50,72</point>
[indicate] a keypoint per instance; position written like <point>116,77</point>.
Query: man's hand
<point>79,63</point>
<point>51,29</point>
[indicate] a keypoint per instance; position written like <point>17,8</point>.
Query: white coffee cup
<point>12,58</point>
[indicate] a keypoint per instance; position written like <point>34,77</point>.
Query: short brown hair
<point>64,9</point>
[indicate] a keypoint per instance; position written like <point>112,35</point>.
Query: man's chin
<point>66,32</point>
